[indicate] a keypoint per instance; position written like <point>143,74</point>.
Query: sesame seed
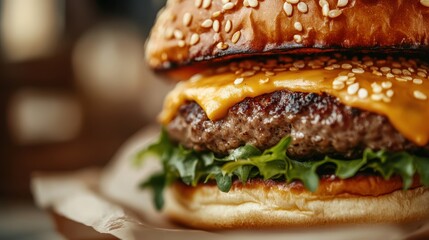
<point>350,74</point>
<point>351,80</point>
<point>325,10</point>
<point>386,84</point>
<point>314,62</point>
<point>385,69</point>
<point>253,3</point>
<point>334,13</point>
<point>389,93</point>
<point>376,88</point>
<point>327,58</point>
<point>337,85</point>
<point>181,43</point>
<point>226,1</point>
<point>374,68</point>
<point>235,37</point>
<point>389,75</point>
<point>287,7</point>
<point>341,78</point>
<point>228,6</point>
<point>377,73</point>
<point>358,70</point>
<point>195,38</point>
<point>297,26</point>
<point>293,69</point>
<point>302,7</point>
<point>368,63</point>
<point>342,3</point>
<point>246,3</point>
<point>187,18</point>
<point>216,25</point>
<point>238,81</point>
<point>355,62</point>
<point>411,69</point>
<point>322,2</point>
<point>216,14</point>
<point>269,73</point>
<point>198,3</point>
<point>422,70</point>
<point>419,95</point>
<point>421,74</point>
<point>362,93</point>
<point>417,81</point>
<point>207,3</point>
<point>400,79</point>
<point>248,73</point>
<point>377,97</point>
<point>299,64</point>
<point>279,69</point>
<point>228,26</point>
<point>263,81</point>
<point>352,89</point>
<point>292,1</point>
<point>329,68</point>
<point>178,34</point>
<point>406,72</point>
<point>208,23</point>
<point>407,78</point>
<point>169,33</point>
<point>297,38</point>
<point>346,66</point>
<point>222,46</point>
<point>396,71</point>
<point>336,66</point>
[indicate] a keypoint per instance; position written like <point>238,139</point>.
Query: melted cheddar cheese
<point>397,90</point>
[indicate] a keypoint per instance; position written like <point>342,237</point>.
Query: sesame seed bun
<point>198,30</point>
<point>259,205</point>
<point>239,59</point>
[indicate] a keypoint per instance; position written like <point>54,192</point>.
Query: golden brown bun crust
<point>267,205</point>
<point>391,24</point>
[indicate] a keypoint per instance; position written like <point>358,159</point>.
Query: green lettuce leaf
<point>248,162</point>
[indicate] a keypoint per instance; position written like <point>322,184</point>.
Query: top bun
<point>189,31</point>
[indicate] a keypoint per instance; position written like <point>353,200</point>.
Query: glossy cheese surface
<point>396,89</point>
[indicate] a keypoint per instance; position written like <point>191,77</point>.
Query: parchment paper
<point>109,201</point>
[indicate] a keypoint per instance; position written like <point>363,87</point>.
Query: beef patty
<point>320,125</point>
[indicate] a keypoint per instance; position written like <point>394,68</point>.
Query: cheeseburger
<point>292,112</point>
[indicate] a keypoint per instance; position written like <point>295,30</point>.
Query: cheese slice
<point>397,90</point>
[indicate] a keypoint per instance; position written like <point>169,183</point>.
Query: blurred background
<point>73,88</point>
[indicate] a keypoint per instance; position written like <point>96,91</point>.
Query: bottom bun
<point>280,206</point>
